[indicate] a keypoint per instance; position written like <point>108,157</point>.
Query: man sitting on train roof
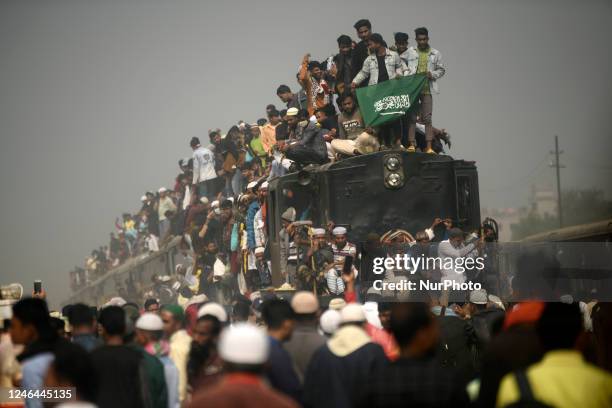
<point>305,143</point>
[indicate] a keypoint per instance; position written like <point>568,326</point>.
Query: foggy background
<point>100,98</point>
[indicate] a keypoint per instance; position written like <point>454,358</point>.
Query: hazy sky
<point>98,99</point>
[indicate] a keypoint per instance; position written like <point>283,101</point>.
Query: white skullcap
<point>318,231</point>
<point>292,111</point>
<point>339,231</point>
<point>479,297</point>
<point>264,185</point>
<point>337,304</point>
<point>116,301</point>
<point>244,343</point>
<point>162,190</point>
<point>218,268</point>
<point>353,313</point>
<point>329,321</point>
<point>213,309</point>
<point>251,185</point>
<point>149,322</point>
<point>204,200</point>
<point>143,198</point>
<point>230,199</point>
<point>497,301</point>
<point>201,298</point>
<point>259,250</point>
<point>304,302</point>
<point>214,204</point>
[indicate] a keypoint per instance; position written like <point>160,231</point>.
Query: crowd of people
<point>217,332</point>
<point>319,123</point>
<point>290,351</point>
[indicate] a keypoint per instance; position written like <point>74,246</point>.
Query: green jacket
<point>155,381</point>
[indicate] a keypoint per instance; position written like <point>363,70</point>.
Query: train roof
<point>574,233</point>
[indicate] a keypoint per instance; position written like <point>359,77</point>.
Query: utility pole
<point>558,167</point>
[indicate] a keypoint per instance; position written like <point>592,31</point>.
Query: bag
<point>527,400</point>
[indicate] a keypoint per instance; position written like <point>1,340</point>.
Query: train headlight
<point>392,163</point>
<point>394,180</point>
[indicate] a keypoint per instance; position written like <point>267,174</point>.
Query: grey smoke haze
<point>99,99</point>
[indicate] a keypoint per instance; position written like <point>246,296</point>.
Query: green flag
<point>389,100</point>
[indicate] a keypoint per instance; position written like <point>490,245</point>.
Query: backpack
<point>527,400</point>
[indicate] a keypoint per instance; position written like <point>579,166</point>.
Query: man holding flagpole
<point>382,65</point>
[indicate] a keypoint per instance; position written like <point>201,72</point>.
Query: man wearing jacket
<point>382,65</point>
<point>306,143</point>
<point>424,60</point>
<point>380,55</point>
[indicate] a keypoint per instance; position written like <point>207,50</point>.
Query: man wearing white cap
<point>264,268</point>
<point>342,248</point>
<point>305,339</point>
<point>343,364</point>
<point>165,204</point>
<point>244,348</point>
<point>320,250</point>
<point>288,248</point>
<point>149,332</point>
<point>480,318</point>
<point>306,143</point>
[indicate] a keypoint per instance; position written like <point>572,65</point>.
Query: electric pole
<point>558,167</point>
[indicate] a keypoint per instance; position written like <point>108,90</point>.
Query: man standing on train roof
<point>424,60</point>
<point>204,173</point>
<point>342,248</point>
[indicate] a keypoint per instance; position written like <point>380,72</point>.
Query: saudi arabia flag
<point>389,100</point>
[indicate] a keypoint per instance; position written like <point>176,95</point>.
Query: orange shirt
<point>268,136</point>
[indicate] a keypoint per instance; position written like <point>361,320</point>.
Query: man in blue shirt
<point>278,317</point>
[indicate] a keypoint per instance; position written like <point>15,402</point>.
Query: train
<point>377,192</point>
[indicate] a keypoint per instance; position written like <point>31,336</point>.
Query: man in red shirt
<point>244,349</point>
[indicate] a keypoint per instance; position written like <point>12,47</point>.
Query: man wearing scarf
<point>317,89</point>
<point>149,332</point>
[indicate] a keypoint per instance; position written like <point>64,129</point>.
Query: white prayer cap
<point>230,199</point>
<point>204,200</point>
<point>116,301</point>
<point>244,343</point>
<point>264,185</point>
<point>329,321</point>
<point>337,304</point>
<point>251,185</point>
<point>162,190</point>
<point>479,297</point>
<point>150,322</point>
<point>213,309</point>
<point>318,231</point>
<point>143,198</point>
<point>497,301</point>
<point>353,313</point>
<point>304,302</point>
<point>218,268</point>
<point>292,111</point>
<point>201,298</point>
<point>259,250</point>
<point>339,231</point>
<point>215,204</point>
